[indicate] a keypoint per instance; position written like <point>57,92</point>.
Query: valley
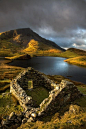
<point>17,43</point>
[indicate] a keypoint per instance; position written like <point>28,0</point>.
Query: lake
<point>54,66</point>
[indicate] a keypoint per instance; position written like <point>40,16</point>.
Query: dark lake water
<point>54,66</point>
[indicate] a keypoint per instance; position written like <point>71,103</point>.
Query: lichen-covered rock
<point>12,115</point>
<point>30,120</point>
<point>75,109</point>
<point>24,120</point>
<point>34,115</point>
<point>27,114</point>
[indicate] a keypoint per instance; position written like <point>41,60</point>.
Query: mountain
<point>23,36</point>
<point>77,51</point>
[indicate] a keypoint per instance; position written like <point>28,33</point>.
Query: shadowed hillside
<point>23,36</point>
<point>21,41</point>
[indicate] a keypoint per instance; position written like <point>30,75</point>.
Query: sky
<point>62,21</point>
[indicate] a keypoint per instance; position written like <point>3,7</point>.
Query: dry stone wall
<point>59,94</point>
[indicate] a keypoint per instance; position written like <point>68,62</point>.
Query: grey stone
<point>24,120</point>
<point>3,122</point>
<point>12,115</point>
<point>27,114</point>
<point>30,119</point>
<point>69,121</point>
<point>34,115</point>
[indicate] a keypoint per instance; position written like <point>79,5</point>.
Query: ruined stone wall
<point>67,92</point>
<point>20,84</point>
<point>38,79</point>
<point>59,95</point>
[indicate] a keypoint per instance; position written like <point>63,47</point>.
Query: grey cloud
<point>58,20</point>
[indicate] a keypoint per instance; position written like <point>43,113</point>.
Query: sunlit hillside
<point>39,49</point>
<point>80,60</point>
<point>21,41</point>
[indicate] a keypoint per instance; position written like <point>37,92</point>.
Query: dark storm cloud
<point>63,21</point>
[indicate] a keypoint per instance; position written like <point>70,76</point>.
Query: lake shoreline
<point>50,66</point>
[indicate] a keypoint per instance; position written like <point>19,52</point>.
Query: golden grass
<point>80,60</point>
<point>15,57</point>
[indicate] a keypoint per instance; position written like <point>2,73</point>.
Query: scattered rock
<point>69,121</point>
<point>27,114</point>
<point>30,119</point>
<point>3,94</point>
<point>34,115</point>
<point>24,120</point>
<point>74,109</point>
<point>12,115</point>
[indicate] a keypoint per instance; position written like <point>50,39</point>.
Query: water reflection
<point>54,66</point>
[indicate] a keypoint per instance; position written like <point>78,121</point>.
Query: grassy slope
<point>7,48</point>
<point>8,103</point>
<point>80,60</point>
<point>68,54</point>
<point>12,51</point>
<point>75,56</point>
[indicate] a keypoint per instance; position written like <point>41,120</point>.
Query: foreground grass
<point>8,72</point>
<point>66,121</point>
<point>63,119</point>
<point>60,120</point>
<point>38,94</point>
<point>8,104</point>
<point>16,56</point>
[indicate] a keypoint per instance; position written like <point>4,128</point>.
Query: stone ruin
<point>59,95</point>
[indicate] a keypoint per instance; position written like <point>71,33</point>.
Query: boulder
<point>34,115</point>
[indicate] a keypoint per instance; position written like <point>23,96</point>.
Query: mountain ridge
<point>24,35</point>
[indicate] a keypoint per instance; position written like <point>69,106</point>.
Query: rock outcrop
<point>24,57</point>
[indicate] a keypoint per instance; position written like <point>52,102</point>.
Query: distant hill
<point>72,52</point>
<point>76,56</point>
<point>77,51</point>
